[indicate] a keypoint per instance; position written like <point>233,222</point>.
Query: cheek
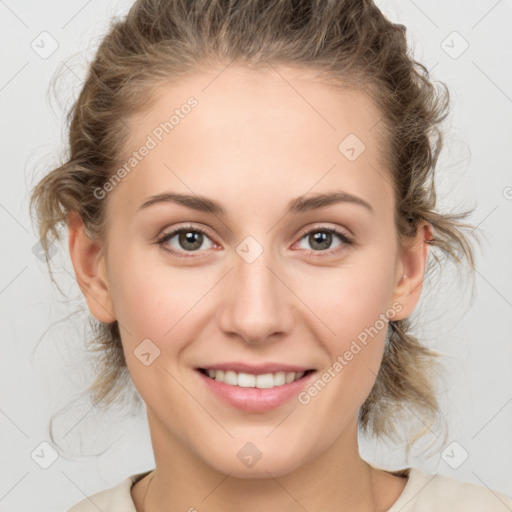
<point>353,302</point>
<point>150,297</point>
<point>146,306</point>
<point>155,310</point>
<point>352,298</point>
<point>164,305</point>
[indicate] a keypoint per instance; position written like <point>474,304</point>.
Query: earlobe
<point>413,260</point>
<point>90,270</point>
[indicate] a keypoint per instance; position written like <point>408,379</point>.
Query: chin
<point>248,462</point>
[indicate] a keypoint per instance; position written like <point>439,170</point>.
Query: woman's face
<point>291,260</point>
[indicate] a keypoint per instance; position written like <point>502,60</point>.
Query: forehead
<point>276,131</point>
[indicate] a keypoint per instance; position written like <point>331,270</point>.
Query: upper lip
<point>257,369</point>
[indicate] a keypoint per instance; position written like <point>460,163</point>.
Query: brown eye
<point>321,239</point>
<point>190,240</point>
<point>184,240</point>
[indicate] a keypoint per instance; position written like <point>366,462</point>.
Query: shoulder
<point>425,492</point>
<point>114,499</point>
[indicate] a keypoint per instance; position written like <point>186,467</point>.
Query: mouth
<point>251,392</point>
<point>251,380</point>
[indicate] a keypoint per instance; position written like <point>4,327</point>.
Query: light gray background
<point>475,169</point>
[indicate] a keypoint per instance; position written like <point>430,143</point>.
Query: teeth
<point>248,380</point>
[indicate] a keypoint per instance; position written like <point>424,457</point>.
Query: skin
<point>254,143</point>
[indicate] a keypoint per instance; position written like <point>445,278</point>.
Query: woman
<point>251,216</point>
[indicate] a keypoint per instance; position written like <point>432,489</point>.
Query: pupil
<point>194,239</point>
<point>322,238</point>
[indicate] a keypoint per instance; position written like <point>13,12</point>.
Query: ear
<point>90,270</point>
<point>411,270</point>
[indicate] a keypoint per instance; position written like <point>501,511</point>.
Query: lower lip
<point>256,399</point>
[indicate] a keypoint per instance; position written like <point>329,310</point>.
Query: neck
<point>336,479</point>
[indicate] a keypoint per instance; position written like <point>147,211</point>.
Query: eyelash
<point>310,254</point>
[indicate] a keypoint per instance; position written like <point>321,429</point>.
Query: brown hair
<point>351,43</point>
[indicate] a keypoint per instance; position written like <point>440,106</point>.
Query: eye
<point>187,239</point>
<point>321,239</point>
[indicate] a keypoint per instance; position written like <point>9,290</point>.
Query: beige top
<point>422,493</point>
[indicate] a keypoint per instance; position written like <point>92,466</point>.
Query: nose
<point>256,304</point>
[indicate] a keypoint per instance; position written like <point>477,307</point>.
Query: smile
<point>249,380</point>
<point>254,393</point>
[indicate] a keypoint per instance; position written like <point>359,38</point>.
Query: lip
<point>255,399</point>
<point>257,369</point>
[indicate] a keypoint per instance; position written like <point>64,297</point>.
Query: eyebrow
<point>297,205</point>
